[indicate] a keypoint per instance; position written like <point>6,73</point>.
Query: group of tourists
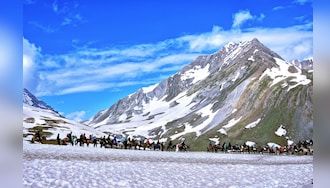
<point>302,147</point>
<point>81,140</point>
<point>121,142</point>
<point>128,142</point>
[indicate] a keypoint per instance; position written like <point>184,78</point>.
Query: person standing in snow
<point>169,146</point>
<point>183,144</point>
<point>74,140</point>
<point>58,139</point>
<point>38,136</point>
<point>224,149</point>
<point>84,139</point>
<point>94,141</point>
<point>114,141</point>
<point>70,138</point>
<point>103,140</point>
<point>81,140</point>
<point>162,146</point>
<point>89,140</point>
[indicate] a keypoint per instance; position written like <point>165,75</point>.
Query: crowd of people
<point>121,142</point>
<point>302,147</point>
<point>128,142</point>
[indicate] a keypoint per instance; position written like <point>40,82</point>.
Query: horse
<point>132,143</point>
<point>180,147</point>
<point>213,148</point>
<point>157,146</point>
<point>148,144</point>
<point>236,148</point>
<point>305,151</point>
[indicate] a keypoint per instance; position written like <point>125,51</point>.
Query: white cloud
<point>302,2</point>
<point>279,8</point>
<point>67,13</point>
<point>55,6</point>
<point>77,116</point>
<point>261,17</point>
<point>302,19</point>
<point>243,16</point>
<point>72,20</point>
<point>30,55</point>
<point>97,86</point>
<point>44,28</point>
<point>66,21</point>
<point>240,17</point>
<point>304,47</point>
<point>282,7</point>
<point>77,76</point>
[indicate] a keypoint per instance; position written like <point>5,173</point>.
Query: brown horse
<point>214,148</point>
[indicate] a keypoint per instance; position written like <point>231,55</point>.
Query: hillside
<point>37,115</point>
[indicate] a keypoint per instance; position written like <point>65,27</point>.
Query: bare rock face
<point>219,95</point>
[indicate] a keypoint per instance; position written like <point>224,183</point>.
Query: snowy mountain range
<point>244,92</point>
<point>37,115</point>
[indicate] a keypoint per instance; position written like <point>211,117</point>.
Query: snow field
<point>66,166</point>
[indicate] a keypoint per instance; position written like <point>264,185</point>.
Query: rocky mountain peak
<point>203,66</point>
<point>306,64</point>
<point>31,100</point>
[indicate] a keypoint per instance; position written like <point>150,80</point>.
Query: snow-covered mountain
<point>37,115</point>
<point>244,92</point>
<point>31,100</point>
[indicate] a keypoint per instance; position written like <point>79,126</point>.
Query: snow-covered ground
<point>67,166</point>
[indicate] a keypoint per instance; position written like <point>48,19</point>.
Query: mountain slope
<point>31,100</point>
<point>37,115</point>
<point>244,92</point>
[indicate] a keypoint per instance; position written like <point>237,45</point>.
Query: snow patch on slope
<point>222,131</point>
<point>149,88</point>
<point>236,76</point>
<point>235,51</point>
<point>281,131</point>
<point>232,122</point>
<point>141,125</point>
<point>196,73</point>
<point>251,58</point>
<point>204,112</point>
<point>122,117</point>
<point>280,73</point>
<point>253,124</point>
<point>229,125</point>
<point>215,140</point>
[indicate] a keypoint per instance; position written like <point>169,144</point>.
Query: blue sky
<point>82,56</point>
